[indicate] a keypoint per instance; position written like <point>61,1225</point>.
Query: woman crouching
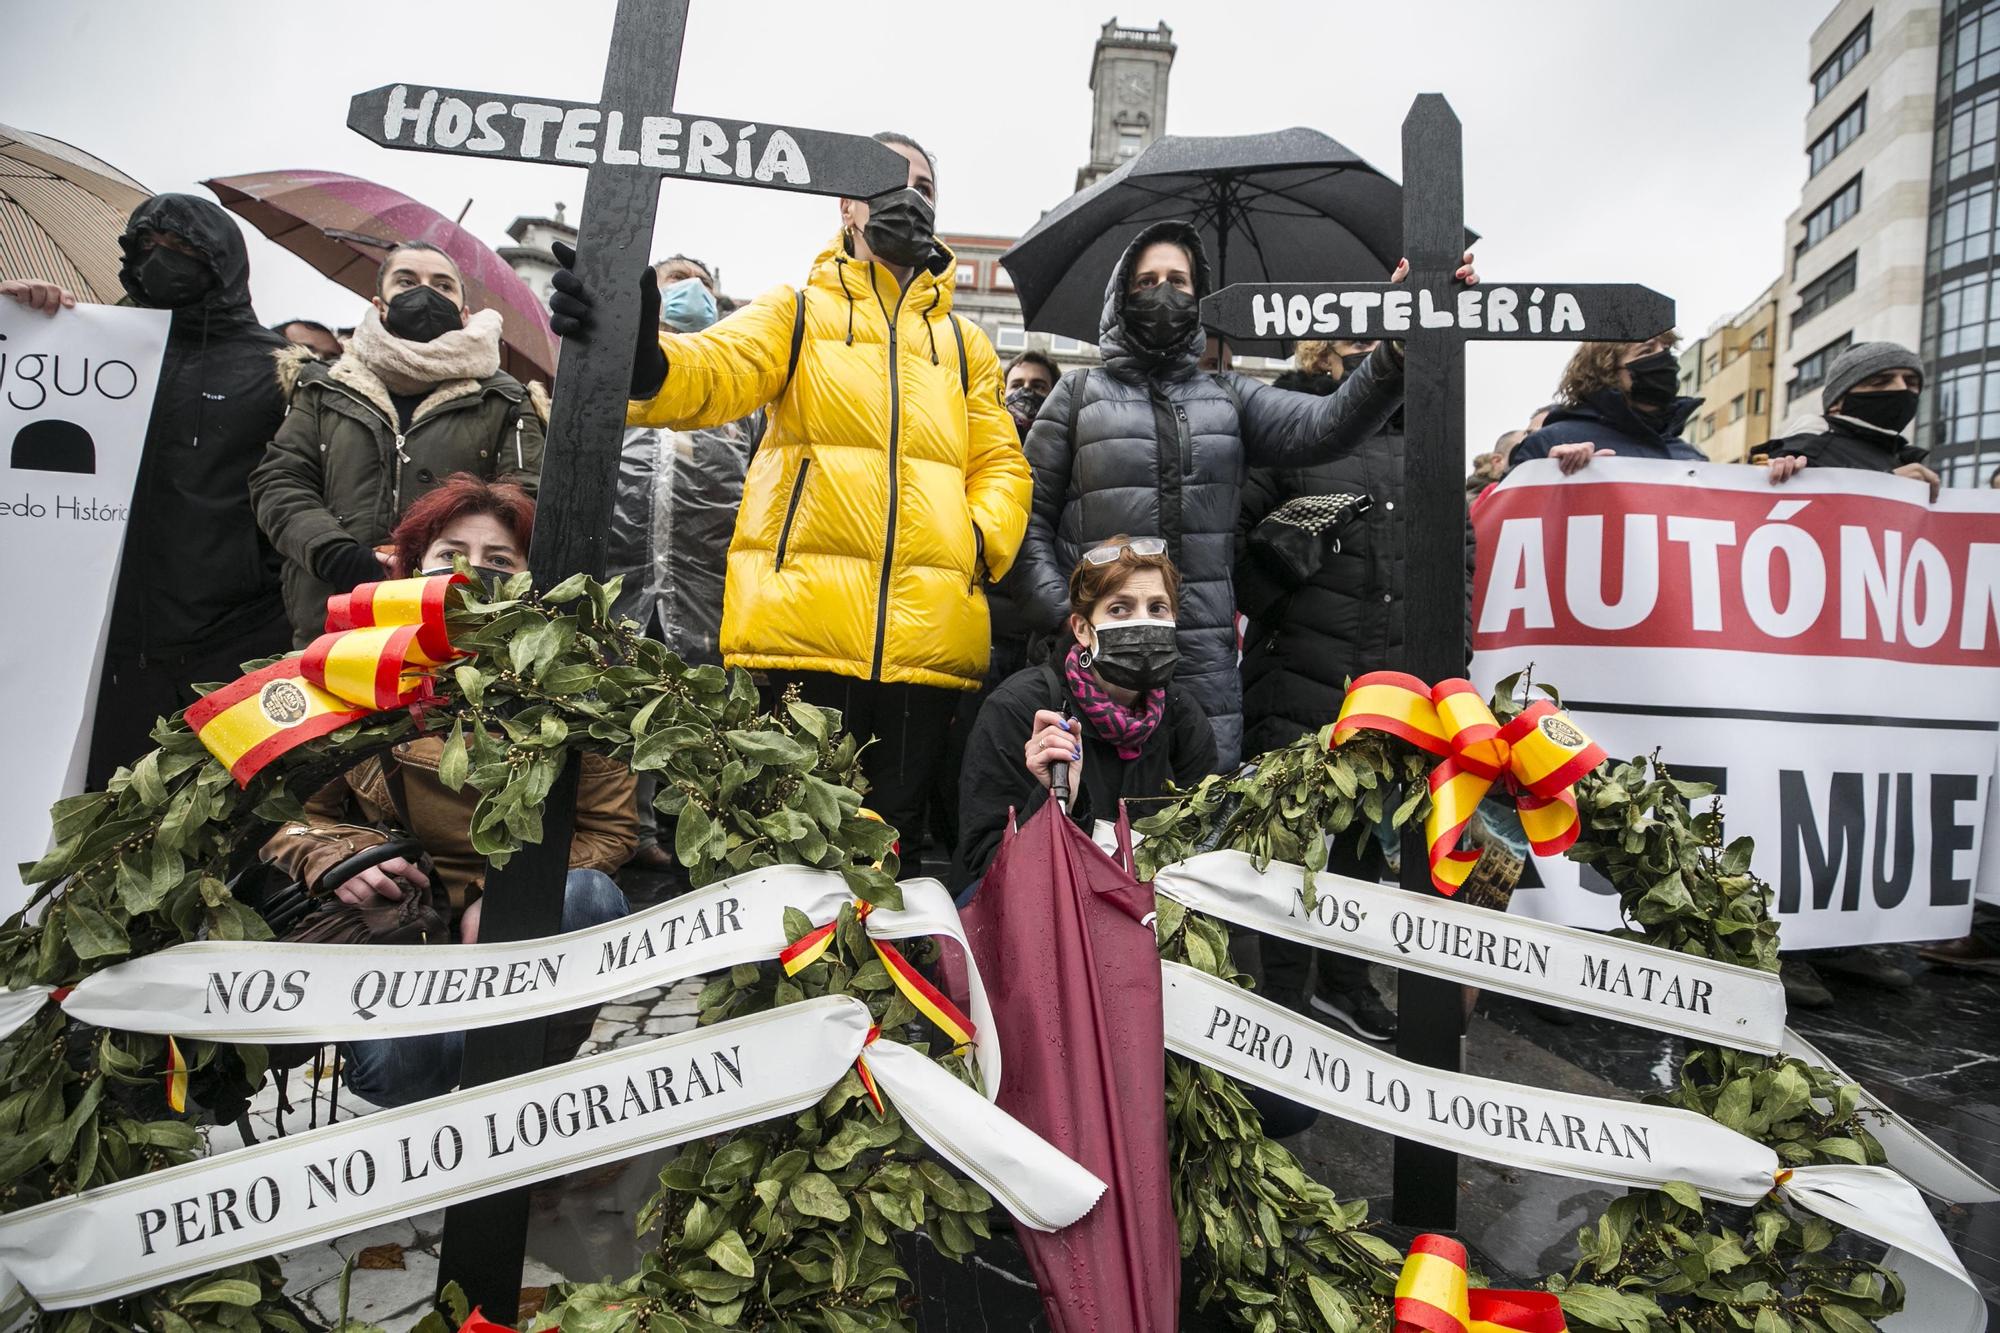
<point>1105,705</point>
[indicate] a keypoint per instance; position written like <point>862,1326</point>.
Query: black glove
<point>570,306</point>
<point>348,565</point>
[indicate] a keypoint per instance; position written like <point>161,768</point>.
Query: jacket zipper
<point>398,456</point>
<point>895,441</point>
<point>792,510</point>
<point>1172,469</point>
<point>1186,438</point>
<point>396,473</point>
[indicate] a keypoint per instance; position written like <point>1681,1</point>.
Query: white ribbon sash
<point>1566,1134</point>
<point>272,992</point>
<point>1913,1153</point>
<point>1640,984</point>
<point>292,1191</point>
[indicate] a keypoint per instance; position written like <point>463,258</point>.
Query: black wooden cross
<point>629,140</point>
<point>1434,316</point>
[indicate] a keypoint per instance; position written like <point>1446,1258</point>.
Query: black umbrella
<point>1288,206</point>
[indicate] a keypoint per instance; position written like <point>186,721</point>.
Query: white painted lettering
<point>579,134</point>
<point>659,142</point>
<point>400,112</point>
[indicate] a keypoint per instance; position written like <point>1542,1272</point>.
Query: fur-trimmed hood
<point>296,367</point>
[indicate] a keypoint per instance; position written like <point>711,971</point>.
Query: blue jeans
<point>396,1071</point>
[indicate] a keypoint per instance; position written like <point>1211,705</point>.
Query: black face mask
<point>1161,318</point>
<point>901,227</point>
<point>1656,380</point>
<point>1352,362</point>
<point>1024,403</point>
<point>171,279</point>
<point>1885,409</point>
<point>1136,654</point>
<point>422,314</point>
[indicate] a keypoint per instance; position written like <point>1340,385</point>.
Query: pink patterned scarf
<point>1127,729</point>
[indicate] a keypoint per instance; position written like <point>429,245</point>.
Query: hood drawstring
<point>200,379</point>
<point>937,294</point>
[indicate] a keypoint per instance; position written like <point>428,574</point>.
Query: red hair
<point>461,495</point>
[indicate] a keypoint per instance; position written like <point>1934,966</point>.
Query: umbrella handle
<point>1059,773</point>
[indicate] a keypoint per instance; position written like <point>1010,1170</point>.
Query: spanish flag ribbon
<point>1539,756</point>
<point>176,1078</point>
<point>1433,1295</point>
<point>927,999</point>
<point>867,1076</point>
<point>382,641</point>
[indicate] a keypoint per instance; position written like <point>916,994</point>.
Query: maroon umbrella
<point>343,226</point>
<point>1064,941</point>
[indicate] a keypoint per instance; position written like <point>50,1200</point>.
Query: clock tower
<point>1128,84</point>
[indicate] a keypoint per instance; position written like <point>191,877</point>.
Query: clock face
<point>1135,88</point>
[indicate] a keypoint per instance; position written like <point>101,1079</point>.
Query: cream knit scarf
<point>470,353</point>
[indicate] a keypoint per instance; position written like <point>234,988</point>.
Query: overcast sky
<point>1606,140</point>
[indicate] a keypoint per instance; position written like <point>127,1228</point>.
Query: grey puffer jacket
<point>1151,446</point>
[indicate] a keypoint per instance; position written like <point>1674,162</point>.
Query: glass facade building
<point>1959,415</point>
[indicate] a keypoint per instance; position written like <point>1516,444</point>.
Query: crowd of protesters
<point>1134,574</point>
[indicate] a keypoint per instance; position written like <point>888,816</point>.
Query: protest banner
<point>1826,652</point>
<point>76,391</point>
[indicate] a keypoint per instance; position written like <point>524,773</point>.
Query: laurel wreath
<point>791,1225</point>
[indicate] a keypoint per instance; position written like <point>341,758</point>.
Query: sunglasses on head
<point>1104,555</point>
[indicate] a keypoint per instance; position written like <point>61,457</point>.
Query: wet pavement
<point>1932,1053</point>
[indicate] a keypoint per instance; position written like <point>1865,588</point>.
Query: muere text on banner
<point>1647,590</point>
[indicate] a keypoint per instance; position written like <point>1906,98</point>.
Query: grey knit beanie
<point>1860,361</point>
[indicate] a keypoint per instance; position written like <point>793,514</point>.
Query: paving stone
<point>380,1296</point>
<point>305,1269</point>
<point>399,1233</point>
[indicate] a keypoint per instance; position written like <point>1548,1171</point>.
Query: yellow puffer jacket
<point>882,495</point>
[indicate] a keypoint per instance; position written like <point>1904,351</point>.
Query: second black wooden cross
<point>1434,317</point>
<point>629,140</point>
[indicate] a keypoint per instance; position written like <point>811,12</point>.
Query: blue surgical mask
<point>687,306</point>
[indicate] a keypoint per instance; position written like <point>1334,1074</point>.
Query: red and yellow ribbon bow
<point>1539,755</point>
<point>381,642</point>
<point>1434,1296</point>
<point>927,999</point>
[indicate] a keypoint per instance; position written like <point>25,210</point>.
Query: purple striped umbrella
<point>344,225</point>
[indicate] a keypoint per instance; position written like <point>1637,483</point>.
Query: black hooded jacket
<point>995,783</point>
<point>1846,442</point>
<point>1607,419</point>
<point>1346,618</point>
<point>196,569</point>
<point>1150,446</point>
